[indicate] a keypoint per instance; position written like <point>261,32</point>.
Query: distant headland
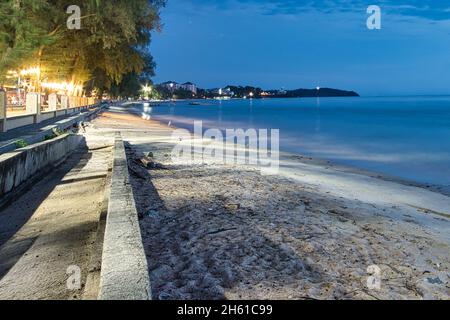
<point>318,92</point>
<point>189,90</point>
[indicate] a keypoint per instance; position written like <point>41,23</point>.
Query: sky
<point>304,44</point>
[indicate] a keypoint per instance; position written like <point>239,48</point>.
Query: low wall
<point>18,167</point>
<point>61,112</point>
<point>19,121</point>
<point>61,125</point>
<point>124,271</point>
<point>47,115</point>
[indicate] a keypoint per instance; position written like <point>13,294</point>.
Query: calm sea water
<point>406,137</point>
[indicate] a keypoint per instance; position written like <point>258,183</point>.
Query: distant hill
<point>233,91</point>
<point>309,93</point>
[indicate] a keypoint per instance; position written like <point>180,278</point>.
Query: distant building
<point>226,92</point>
<point>171,85</point>
<point>189,86</point>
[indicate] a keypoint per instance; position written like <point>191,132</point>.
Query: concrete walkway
<point>54,226</point>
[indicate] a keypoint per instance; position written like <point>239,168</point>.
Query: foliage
<point>110,48</point>
<point>183,94</point>
<point>163,92</point>
<point>21,144</point>
<point>49,137</point>
<point>241,91</point>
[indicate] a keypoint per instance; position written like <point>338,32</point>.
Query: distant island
<point>188,90</point>
<point>318,92</point>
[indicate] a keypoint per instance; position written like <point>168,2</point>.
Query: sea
<point>403,137</point>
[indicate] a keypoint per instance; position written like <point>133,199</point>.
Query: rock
<point>147,162</point>
<point>232,206</point>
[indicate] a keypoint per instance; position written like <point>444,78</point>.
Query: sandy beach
<point>311,232</point>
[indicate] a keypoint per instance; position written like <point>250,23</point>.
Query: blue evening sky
<point>304,44</point>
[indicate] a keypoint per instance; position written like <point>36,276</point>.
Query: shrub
<point>21,144</point>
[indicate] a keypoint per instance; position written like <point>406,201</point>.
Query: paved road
<point>54,226</point>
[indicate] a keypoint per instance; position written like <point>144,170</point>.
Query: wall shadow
<point>192,254</point>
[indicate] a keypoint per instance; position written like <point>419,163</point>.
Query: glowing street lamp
<point>171,89</point>
<point>30,71</point>
<point>147,89</point>
<point>69,88</point>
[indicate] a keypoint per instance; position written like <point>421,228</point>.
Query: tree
<point>111,44</point>
<point>22,32</point>
<point>163,92</point>
<point>183,94</point>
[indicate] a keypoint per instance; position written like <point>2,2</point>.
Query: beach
<point>316,230</point>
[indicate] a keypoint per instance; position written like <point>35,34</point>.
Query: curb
<point>124,271</point>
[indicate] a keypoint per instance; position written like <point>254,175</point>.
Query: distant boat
<point>195,104</point>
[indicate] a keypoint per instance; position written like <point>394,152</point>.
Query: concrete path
<point>54,226</point>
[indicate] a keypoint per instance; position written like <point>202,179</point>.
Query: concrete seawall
<point>21,167</point>
<point>124,274</point>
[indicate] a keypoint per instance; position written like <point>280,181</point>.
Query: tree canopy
<point>111,45</point>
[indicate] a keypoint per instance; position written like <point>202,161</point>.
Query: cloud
<point>428,9</point>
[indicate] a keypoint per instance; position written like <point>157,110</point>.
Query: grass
<point>21,144</point>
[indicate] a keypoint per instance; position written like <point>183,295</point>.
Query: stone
<point>232,206</point>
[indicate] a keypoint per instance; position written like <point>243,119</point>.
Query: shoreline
<point>311,160</point>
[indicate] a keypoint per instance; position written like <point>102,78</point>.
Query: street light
<point>171,89</point>
<point>147,89</point>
